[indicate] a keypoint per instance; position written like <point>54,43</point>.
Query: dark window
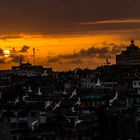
<point>11,114</point>
<point>53,138</point>
<point>33,114</point>
<point>13,125</point>
<point>22,125</point>
<point>14,137</point>
<point>22,114</point>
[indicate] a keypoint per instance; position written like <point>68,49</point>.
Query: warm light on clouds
<point>112,21</point>
<point>64,51</point>
<point>65,32</point>
<point>6,53</point>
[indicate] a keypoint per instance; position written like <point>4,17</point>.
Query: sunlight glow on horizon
<point>6,53</point>
<point>49,46</point>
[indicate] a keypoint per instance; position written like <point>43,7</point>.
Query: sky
<point>66,34</point>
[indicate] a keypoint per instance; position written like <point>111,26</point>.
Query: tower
<point>130,56</point>
<point>20,61</point>
<point>34,56</point>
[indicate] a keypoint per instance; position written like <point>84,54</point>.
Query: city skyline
<point>67,34</point>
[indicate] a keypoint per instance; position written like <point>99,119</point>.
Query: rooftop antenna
<point>20,61</point>
<point>34,55</point>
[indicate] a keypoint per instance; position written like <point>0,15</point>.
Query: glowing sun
<point>6,53</point>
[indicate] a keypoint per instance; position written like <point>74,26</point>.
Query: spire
<point>34,55</point>
<point>132,45</point>
<point>132,42</point>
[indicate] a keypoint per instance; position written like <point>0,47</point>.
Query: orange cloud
<point>53,51</point>
<point>112,21</point>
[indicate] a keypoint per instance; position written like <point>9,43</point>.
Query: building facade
<point>131,56</point>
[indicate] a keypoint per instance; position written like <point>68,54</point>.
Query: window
<point>42,119</point>
<point>22,125</point>
<point>14,137</point>
<point>33,114</point>
<point>135,83</point>
<point>13,125</point>
<point>22,114</point>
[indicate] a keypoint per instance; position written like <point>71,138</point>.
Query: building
<point>27,69</point>
<point>136,85</point>
<point>88,82</point>
<point>131,56</point>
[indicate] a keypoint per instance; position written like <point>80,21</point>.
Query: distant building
<point>136,85</point>
<point>88,82</point>
<point>131,56</point>
<point>31,70</point>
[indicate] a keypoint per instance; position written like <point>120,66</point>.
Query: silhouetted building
<point>27,69</point>
<point>131,56</point>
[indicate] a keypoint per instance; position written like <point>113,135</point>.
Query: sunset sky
<point>67,33</point>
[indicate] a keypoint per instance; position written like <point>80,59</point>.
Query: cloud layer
<point>64,16</point>
<point>88,54</point>
<point>15,55</point>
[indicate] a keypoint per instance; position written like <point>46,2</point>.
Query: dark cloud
<point>53,60</point>
<point>75,61</point>
<point>1,52</point>
<point>17,58</point>
<point>116,49</point>
<point>64,16</point>
<point>2,61</point>
<point>6,36</point>
<point>91,53</point>
<point>24,49</point>
<point>15,55</point>
<point>12,59</point>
